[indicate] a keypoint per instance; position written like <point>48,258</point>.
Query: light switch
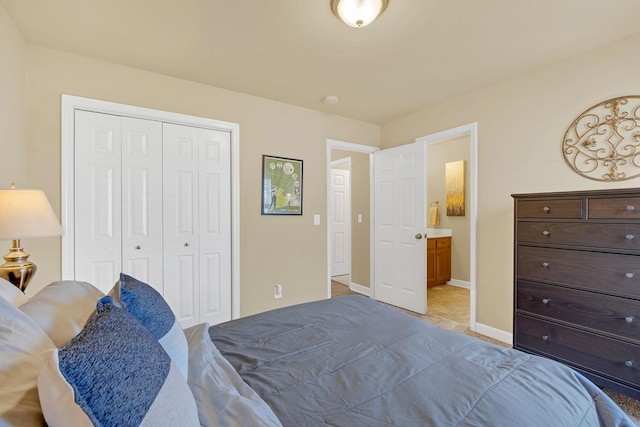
<point>359,218</point>
<point>316,219</point>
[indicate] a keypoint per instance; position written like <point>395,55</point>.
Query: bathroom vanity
<point>438,256</point>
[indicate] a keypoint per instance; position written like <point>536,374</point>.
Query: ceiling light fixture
<point>358,13</point>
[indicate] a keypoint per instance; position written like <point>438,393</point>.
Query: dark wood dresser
<point>577,282</point>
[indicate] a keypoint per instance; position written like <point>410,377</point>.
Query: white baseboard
<point>459,283</point>
<point>497,334</point>
<point>364,290</point>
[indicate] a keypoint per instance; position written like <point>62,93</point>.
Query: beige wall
<point>13,107</point>
<point>521,123</point>
<point>438,155</point>
<point>360,204</point>
<point>520,126</point>
<point>274,249</point>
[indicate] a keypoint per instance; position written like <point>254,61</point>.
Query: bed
<point>122,359</point>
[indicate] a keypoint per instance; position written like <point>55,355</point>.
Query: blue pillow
<point>114,373</point>
<point>147,305</point>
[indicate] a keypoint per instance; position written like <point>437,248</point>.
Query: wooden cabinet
<point>438,260</point>
<point>577,282</point>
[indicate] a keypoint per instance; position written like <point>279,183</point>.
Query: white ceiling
<point>418,53</point>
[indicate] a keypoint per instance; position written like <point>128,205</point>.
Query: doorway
<point>469,131</point>
<point>359,160</point>
<point>448,283</point>
<point>457,299</point>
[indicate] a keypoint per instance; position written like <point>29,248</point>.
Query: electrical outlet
<point>278,291</point>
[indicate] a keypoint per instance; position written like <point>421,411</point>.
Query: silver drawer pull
<point>629,275</point>
<point>629,363</point>
<point>547,209</point>
<point>545,300</point>
<point>546,264</point>
<point>546,233</point>
<point>545,338</point>
<point>631,208</point>
<point>628,319</point>
<point>629,237</point>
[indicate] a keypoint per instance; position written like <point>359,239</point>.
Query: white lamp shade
<point>358,13</point>
<point>26,214</point>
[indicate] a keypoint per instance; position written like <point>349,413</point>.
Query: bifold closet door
<point>142,200</point>
<point>118,199</point>
<point>197,223</point>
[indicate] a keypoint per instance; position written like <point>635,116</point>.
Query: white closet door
<point>97,209</point>
<point>142,200</point>
<point>180,201</point>
<point>214,201</point>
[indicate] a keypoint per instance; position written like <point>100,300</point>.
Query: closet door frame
<point>70,103</point>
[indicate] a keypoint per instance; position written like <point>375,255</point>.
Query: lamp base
<point>17,268</point>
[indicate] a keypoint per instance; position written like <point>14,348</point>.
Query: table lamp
<point>24,214</point>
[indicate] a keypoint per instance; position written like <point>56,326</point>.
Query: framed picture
<point>454,182</point>
<point>281,186</point>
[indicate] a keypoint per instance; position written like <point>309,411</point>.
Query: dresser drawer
<point>614,315</point>
<point>615,208</point>
<point>603,272</point>
<point>607,356</point>
<point>613,236</point>
<point>571,208</point>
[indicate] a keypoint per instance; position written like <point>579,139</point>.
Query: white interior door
<point>197,223</point>
<point>340,222</point>
<point>113,202</point>
<point>180,188</point>
<point>214,169</point>
<point>97,209</point>
<point>399,210</point>
<point>142,200</point>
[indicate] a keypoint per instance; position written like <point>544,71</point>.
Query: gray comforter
<point>350,361</point>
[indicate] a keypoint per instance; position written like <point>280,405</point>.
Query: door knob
<point>418,236</point>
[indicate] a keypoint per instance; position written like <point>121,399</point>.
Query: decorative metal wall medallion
<point>603,143</point>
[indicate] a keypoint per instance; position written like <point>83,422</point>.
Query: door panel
<point>97,198</point>
<point>340,225</point>
<point>215,225</point>
<point>180,188</point>
<point>142,200</point>
<point>399,180</point>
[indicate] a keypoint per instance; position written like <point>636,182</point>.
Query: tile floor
<point>446,301</point>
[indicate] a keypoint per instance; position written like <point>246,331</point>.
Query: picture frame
<point>281,186</point>
<point>455,182</point>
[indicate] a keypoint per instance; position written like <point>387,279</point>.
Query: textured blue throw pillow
<point>147,305</point>
<point>114,373</point>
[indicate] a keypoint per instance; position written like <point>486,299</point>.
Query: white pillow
<point>11,293</point>
<point>147,305</point>
<point>22,344</point>
<point>62,308</point>
<point>114,373</point>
